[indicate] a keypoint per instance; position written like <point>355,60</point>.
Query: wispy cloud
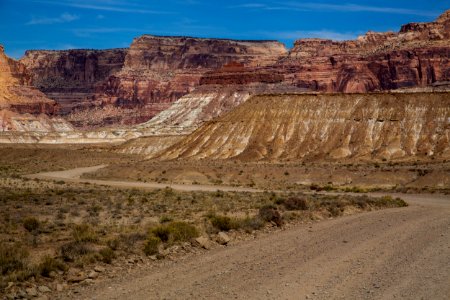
<point>88,32</point>
<point>323,34</point>
<point>63,18</point>
<point>106,5</point>
<point>345,7</point>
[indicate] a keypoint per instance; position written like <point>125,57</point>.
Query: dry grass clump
<point>168,234</point>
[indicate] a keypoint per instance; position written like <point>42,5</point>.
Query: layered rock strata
<point>16,93</point>
<point>72,77</point>
<point>325,126</point>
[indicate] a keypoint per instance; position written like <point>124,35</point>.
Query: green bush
<point>175,232</point>
<point>161,232</point>
<point>223,223</point>
<point>151,245</point>
<point>182,231</point>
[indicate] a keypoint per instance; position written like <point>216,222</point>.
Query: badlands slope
<point>330,126</point>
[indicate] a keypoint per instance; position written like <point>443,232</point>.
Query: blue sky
<point>65,24</point>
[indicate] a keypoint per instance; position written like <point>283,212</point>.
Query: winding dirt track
<point>401,253</point>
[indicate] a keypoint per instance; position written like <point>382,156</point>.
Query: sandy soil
<point>396,253</point>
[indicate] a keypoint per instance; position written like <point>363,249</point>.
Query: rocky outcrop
<point>71,77</point>
<point>417,56</point>
<point>15,92</point>
<point>129,86</point>
<point>325,126</point>
<point>160,70</point>
<point>204,78</point>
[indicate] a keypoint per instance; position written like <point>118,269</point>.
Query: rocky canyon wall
<point>96,88</point>
<point>72,77</point>
<point>417,56</point>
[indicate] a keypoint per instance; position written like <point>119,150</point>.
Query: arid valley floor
<point>91,235</point>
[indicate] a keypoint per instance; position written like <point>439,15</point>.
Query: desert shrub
<point>269,213</point>
<point>334,205</point>
<point>295,203</point>
<point>50,264</point>
<point>151,245</point>
<point>223,223</point>
<point>130,239</point>
<point>12,258</point>
<point>73,250</point>
<point>314,187</point>
<point>335,210</point>
<point>114,243</point>
<point>388,201</point>
<point>84,233</point>
<point>165,219</point>
<point>175,232</point>
<point>355,189</point>
<point>182,231</point>
<point>249,224</point>
<point>31,224</point>
<point>161,232</point>
<point>107,255</point>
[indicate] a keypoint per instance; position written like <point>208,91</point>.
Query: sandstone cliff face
<point>327,126</point>
<point>16,93</point>
<point>417,56</point>
<point>129,86</point>
<point>71,77</point>
<point>160,70</point>
<point>98,88</point>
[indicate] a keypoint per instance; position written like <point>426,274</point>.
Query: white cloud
<point>346,7</point>
<point>323,34</point>
<point>63,18</point>
<point>105,5</point>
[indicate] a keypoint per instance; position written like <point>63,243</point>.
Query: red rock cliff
<point>71,76</point>
<point>15,92</point>
<point>160,70</point>
<point>417,56</point>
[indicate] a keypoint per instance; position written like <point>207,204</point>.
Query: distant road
<point>74,175</point>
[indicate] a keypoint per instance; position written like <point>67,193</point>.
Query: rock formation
<point>330,126</point>
<point>23,107</point>
<point>71,77</point>
<point>160,70</point>
<point>129,86</point>
<point>417,56</point>
<point>16,93</point>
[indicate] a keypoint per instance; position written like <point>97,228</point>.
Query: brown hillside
<point>331,126</point>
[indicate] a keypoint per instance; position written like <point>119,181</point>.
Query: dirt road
<point>74,175</point>
<point>401,253</point>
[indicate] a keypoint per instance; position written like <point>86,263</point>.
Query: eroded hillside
<point>330,126</point>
